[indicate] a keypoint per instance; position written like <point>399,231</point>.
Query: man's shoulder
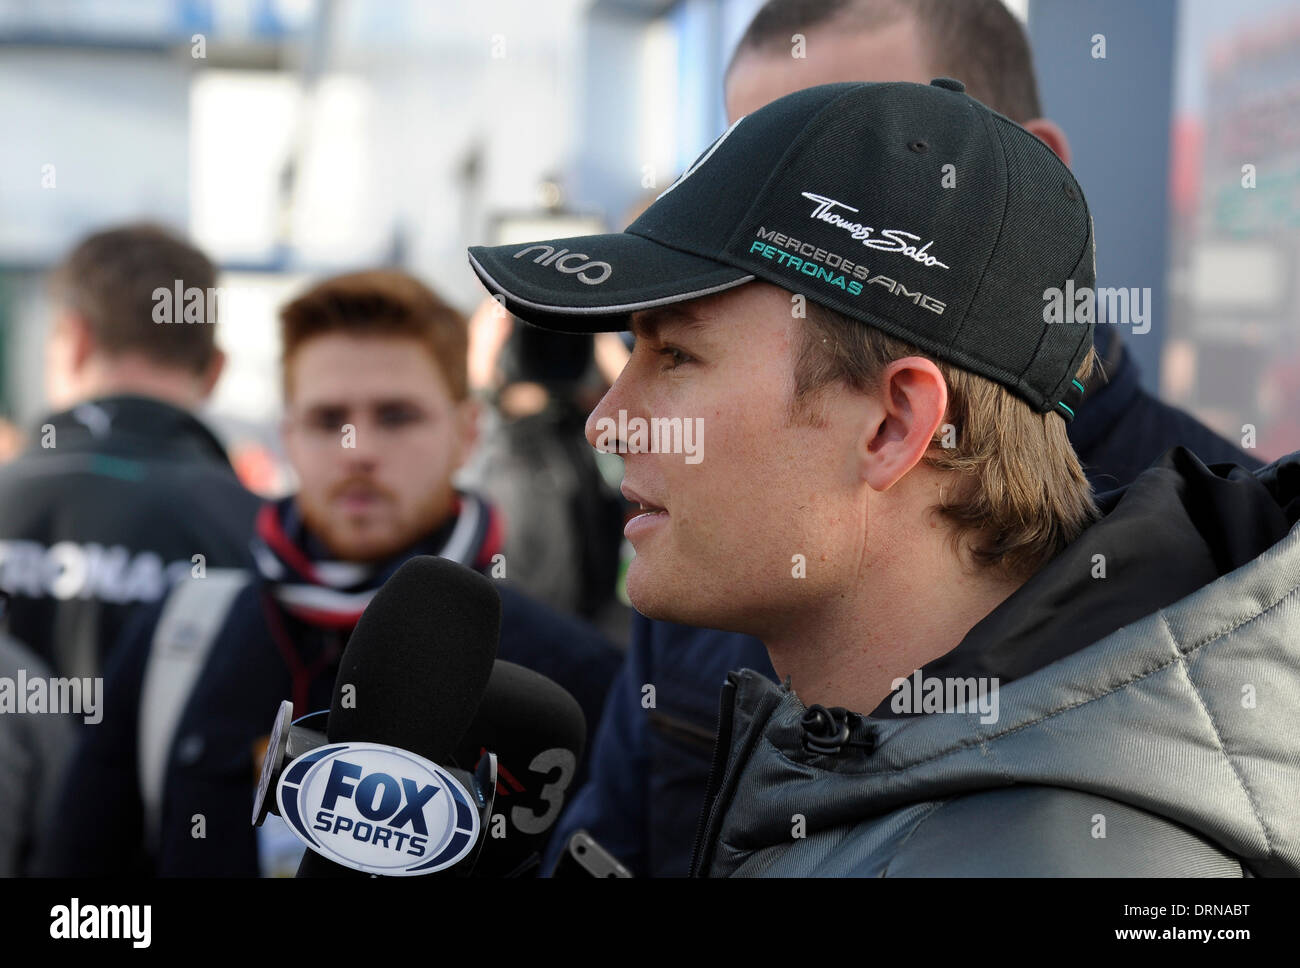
<point>565,649</point>
<point>224,603</point>
<point>1149,427</point>
<point>697,652</point>
<point>134,488</point>
<point>1042,831</point>
<point>542,628</point>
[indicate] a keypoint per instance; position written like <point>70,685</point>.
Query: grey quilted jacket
<point>1168,744</point>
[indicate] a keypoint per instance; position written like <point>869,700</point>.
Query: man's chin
<point>645,593</point>
<point>665,601</point>
<point>363,547</point>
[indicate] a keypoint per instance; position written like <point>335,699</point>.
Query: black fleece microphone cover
<point>415,668</point>
<point>538,732</point>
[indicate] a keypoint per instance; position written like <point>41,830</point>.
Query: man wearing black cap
<point>846,292</point>
<point>650,763</point>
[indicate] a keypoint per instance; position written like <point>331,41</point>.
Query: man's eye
<point>326,419</point>
<point>398,416</point>
<point>674,357</point>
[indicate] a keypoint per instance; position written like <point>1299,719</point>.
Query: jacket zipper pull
<point>721,749</point>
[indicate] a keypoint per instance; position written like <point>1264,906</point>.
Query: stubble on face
<point>768,493</point>
<point>382,525</point>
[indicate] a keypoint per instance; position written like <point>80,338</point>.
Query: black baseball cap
<point>913,208</point>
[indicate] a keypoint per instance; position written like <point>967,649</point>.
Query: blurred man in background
<point>650,765</point>
<point>378,420</point>
<point>563,520</point>
<point>122,490</point>
<point>33,749</point>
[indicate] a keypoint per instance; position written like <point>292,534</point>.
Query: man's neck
<point>853,647</point>
<point>128,377</point>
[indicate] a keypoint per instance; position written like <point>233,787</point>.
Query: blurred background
<point>295,138</point>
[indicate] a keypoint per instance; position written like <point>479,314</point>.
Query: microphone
<point>538,732</point>
<point>412,677</point>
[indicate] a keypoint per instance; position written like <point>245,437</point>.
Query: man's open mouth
<point>644,506</point>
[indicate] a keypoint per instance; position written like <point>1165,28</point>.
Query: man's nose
<point>602,429</point>
<point>360,441</point>
<point>597,422</point>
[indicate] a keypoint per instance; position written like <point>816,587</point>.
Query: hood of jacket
<point>1154,662</point>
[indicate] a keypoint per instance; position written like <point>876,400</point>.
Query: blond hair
<point>1018,494</point>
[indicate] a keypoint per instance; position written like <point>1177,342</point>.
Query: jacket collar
<point>127,425</point>
<point>1109,400</point>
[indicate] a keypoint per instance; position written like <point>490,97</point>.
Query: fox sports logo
<point>378,809</point>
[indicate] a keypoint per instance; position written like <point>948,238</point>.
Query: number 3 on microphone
<point>552,794</point>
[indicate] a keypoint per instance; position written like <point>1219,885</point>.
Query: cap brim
<point>594,283</point>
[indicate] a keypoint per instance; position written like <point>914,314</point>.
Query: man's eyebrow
<point>647,323</point>
<point>370,403</point>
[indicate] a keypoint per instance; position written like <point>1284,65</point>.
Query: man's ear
<point>467,420</point>
<point>1050,134</point>
<point>287,426</point>
<point>489,329</point>
<point>80,340</point>
<point>912,400</point>
<point>209,377</point>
